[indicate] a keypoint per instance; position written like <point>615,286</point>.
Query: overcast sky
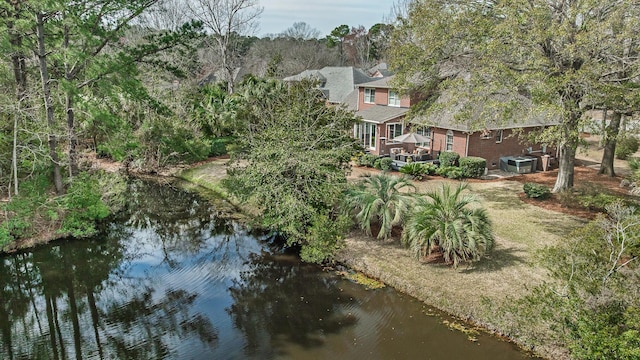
<point>324,15</point>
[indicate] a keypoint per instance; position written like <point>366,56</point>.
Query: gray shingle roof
<point>384,82</point>
<point>380,114</point>
<point>504,110</point>
<point>339,82</point>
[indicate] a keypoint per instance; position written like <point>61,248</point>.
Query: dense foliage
<point>591,307</point>
<point>291,161</point>
<point>497,62</point>
<point>449,158</point>
<point>472,166</point>
<point>536,191</point>
<point>418,170</point>
<point>626,147</point>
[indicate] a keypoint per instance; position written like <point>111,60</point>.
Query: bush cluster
<point>472,166</point>
<point>383,164</point>
<point>448,158</point>
<point>451,172</point>
<point>367,160</point>
<point>626,147</point>
<point>417,171</point>
<point>219,146</point>
<point>536,191</point>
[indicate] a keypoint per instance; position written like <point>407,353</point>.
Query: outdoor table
<point>404,157</point>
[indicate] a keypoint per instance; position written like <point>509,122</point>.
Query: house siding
<point>439,142</point>
<point>381,98</point>
<point>511,145</point>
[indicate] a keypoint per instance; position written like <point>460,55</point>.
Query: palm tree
<point>444,221</point>
<point>379,198</point>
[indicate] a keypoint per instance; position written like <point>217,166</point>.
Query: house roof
<point>351,100</point>
<point>380,70</point>
<point>384,83</point>
<point>307,74</point>
<point>464,114</point>
<point>380,113</point>
<point>336,81</point>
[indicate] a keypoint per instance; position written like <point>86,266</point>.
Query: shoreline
<point>436,285</point>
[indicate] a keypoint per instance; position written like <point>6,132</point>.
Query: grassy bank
<point>474,293</point>
<point>471,293</point>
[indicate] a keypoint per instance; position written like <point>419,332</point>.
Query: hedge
<point>448,158</point>
<point>472,166</point>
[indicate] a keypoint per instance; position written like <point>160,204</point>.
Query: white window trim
<point>396,97</point>
<point>373,101</point>
<point>389,137</point>
<point>359,134</point>
<point>429,135</point>
<point>499,136</point>
<point>446,140</point>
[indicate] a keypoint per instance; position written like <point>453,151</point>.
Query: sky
<point>324,15</point>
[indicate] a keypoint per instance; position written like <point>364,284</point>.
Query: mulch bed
<point>583,176</point>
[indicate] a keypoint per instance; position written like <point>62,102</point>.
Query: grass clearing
<point>473,293</point>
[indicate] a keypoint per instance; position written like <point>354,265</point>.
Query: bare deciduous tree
<point>301,31</point>
<point>226,20</point>
<point>165,15</point>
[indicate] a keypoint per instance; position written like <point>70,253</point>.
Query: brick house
<point>383,114</point>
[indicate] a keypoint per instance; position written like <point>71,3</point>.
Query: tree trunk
<point>14,153</point>
<point>20,75</point>
<point>46,89</point>
<point>603,127</point>
<point>73,162</point>
<point>567,160</point>
<point>73,310</point>
<point>95,319</point>
<point>52,327</point>
<point>73,157</point>
<point>610,137</point>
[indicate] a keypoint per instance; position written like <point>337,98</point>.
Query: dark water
<point>171,280</point>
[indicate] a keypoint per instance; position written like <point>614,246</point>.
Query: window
<point>393,130</point>
<point>370,96</point>
<point>426,132</point>
<point>449,143</point>
<point>394,98</point>
<point>499,136</point>
<point>366,133</point>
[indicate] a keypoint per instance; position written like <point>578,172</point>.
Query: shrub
<point>219,146</point>
<point>385,164</point>
<point>83,206</point>
<point>431,168</point>
<point>598,201</point>
<point>367,160</point>
<point>568,198</point>
<point>536,191</point>
<point>377,164</point>
<point>451,172</point>
<point>415,170</point>
<point>448,158</point>
<point>626,147</point>
<point>472,166</point>
<point>634,165</point>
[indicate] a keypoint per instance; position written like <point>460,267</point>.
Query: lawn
<point>474,292</point>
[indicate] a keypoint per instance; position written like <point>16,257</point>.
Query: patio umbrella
<point>411,138</point>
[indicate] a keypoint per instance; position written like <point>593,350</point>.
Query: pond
<point>171,279</point>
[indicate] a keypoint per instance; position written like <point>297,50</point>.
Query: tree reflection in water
<point>282,300</point>
<point>79,298</point>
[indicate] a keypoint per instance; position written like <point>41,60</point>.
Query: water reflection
<point>169,279</point>
<point>301,305</point>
